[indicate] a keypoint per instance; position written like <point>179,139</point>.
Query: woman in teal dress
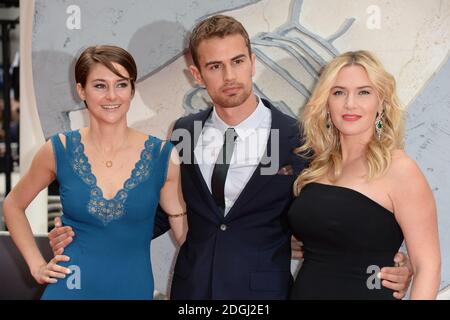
<point>112,179</point>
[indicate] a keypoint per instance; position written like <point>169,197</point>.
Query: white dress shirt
<point>250,145</point>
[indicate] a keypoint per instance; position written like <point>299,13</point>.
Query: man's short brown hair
<point>216,26</point>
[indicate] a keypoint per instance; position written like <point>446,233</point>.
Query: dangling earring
<point>379,124</point>
<point>328,125</point>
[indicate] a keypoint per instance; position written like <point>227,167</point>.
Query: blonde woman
<point>362,194</point>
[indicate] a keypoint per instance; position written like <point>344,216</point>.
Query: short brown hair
<point>106,55</point>
<point>215,26</point>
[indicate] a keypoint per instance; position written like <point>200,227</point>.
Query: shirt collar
<point>246,127</point>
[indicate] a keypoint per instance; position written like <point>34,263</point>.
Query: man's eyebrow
<point>238,57</point>
<point>212,62</point>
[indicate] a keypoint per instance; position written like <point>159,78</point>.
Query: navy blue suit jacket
<point>245,254</point>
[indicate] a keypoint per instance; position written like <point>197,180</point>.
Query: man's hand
<point>398,278</point>
<point>60,237</point>
<point>296,248</point>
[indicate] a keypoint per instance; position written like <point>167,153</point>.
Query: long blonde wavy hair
<point>321,145</point>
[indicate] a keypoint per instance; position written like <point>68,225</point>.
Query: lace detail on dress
<point>109,209</point>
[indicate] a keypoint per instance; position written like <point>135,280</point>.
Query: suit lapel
<point>193,169</point>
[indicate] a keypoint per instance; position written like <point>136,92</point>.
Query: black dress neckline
<point>355,192</point>
<point>346,236</point>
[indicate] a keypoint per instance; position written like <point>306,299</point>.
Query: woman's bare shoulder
<point>402,164</point>
<point>136,136</point>
<point>405,173</point>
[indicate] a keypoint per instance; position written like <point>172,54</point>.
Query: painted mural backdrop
<point>292,40</point>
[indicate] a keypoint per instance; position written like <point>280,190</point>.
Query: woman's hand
<point>51,272</point>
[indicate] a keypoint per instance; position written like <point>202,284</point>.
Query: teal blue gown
<point>110,253</point>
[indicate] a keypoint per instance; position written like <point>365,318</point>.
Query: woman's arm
<point>39,176</point>
<point>415,211</point>
<point>171,199</point>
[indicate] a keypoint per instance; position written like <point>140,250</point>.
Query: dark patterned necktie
<point>221,167</point>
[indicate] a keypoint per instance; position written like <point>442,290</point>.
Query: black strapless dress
<point>347,239</point>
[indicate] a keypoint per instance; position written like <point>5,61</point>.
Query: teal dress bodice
<point>110,253</point>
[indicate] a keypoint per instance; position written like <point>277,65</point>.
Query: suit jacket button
<point>223,227</point>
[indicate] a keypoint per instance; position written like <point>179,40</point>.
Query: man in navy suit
<point>238,243</point>
<point>238,167</point>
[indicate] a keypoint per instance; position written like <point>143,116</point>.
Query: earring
<point>379,124</point>
<point>328,124</point>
